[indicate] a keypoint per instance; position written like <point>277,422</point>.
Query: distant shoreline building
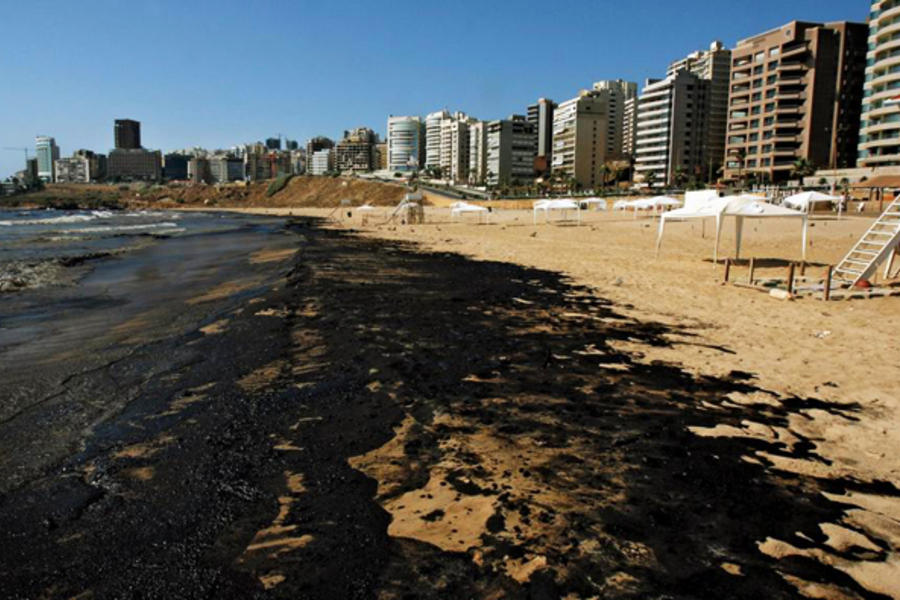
<point>616,94</point>
<point>322,162</point>
<point>355,152</point>
<point>47,153</point>
<point>127,134</point>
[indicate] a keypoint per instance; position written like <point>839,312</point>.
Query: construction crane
<point>25,150</point>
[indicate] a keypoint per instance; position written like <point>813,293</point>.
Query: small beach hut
<point>563,204</point>
<point>740,207</point>
<point>459,209</point>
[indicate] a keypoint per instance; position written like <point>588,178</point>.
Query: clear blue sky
<point>219,73</point>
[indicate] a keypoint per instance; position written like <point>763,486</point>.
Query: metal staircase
<point>878,244</point>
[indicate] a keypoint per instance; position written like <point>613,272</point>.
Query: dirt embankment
<point>300,191</point>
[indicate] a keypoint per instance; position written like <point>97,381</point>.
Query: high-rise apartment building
<point>454,160</point>
<point>629,126</point>
<point>433,138</point>
<point>540,115</point>
<point>47,153</point>
<point>134,164</point>
<point>671,133</point>
<point>380,155</point>
<point>796,94</point>
<point>406,144</point>
<point>580,140</point>
<point>477,153</point>
<point>127,134</point>
<point>356,151</point>
<point>879,139</point>
<point>713,65</point>
<point>511,147</point>
<point>616,94</point>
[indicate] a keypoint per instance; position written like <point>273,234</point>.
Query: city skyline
<point>158,70</point>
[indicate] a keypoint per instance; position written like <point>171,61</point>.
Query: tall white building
<point>433,123</point>
<point>477,153</point>
<point>405,141</point>
<point>47,153</point>
<point>879,140</point>
<point>629,126</point>
<point>616,93</point>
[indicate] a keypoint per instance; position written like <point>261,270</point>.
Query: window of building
<point>770,107</point>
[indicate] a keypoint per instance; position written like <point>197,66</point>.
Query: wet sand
<point>383,422</point>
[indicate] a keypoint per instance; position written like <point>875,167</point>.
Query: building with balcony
<point>540,115</point>
<point>134,164</point>
<point>433,138</point>
<point>580,139</point>
<point>406,144</point>
<point>616,94</point>
<point>670,136</point>
<point>478,153</point>
<point>796,94</point>
<point>455,148</point>
<point>629,126</point>
<point>879,139</point>
<point>713,65</point>
<point>511,145</point>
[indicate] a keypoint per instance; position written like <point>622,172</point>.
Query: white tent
<point>805,200</point>
<point>598,203</point>
<point>457,209</point>
<point>564,204</point>
<point>740,207</point>
<point>366,207</point>
<point>655,203</point>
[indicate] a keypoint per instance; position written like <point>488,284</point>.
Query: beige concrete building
<point>477,153</point>
<point>795,94</point>
<point>540,115</point>
<point>580,139</point>
<point>616,93</point>
<point>879,140</point>
<point>713,65</point>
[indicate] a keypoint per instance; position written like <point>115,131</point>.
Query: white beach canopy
<point>366,207</point>
<point>805,200</point>
<point>740,207</point>
<point>563,204</point>
<point>457,209</point>
<point>597,203</point>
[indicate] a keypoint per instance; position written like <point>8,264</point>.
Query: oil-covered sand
<point>362,419</point>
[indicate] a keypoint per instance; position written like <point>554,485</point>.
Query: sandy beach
<point>840,352</point>
<point>456,410</point>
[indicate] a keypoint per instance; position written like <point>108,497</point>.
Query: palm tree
<point>650,178</point>
<point>802,168</point>
<point>605,171</point>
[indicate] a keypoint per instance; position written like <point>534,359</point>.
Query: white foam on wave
<point>50,221</point>
<point>109,228</point>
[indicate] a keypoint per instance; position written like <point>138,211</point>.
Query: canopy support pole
<point>738,236</point>
<point>805,235</point>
